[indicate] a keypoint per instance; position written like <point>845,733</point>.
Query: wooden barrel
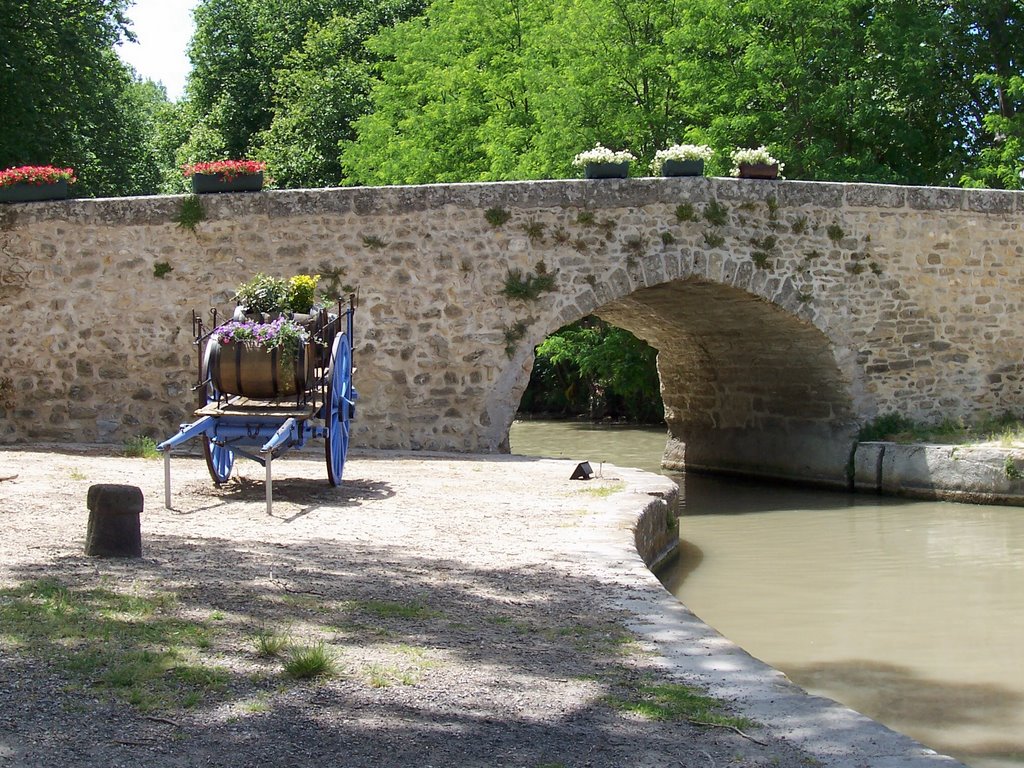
<point>252,371</point>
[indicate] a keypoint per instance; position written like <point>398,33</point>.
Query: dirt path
<point>466,627</point>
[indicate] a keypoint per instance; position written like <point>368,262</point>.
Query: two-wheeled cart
<point>256,404</point>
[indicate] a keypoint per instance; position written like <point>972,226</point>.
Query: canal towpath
<point>481,611</point>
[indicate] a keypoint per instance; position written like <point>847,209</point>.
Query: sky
<point>163,29</point>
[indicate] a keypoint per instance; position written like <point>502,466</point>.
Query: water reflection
<point>911,612</point>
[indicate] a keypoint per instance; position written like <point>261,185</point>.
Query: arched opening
<point>593,370</point>
<point>747,386</point>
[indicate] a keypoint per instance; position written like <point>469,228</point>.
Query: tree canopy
<point>67,99</point>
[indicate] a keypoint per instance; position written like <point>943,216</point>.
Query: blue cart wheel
<point>219,458</point>
<point>338,406</point>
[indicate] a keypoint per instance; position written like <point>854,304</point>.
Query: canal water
<point>910,612</point>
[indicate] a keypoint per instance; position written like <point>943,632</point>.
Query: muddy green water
<point>910,612</point>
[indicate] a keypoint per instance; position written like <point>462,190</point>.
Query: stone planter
<point>682,168</point>
<point>606,170</point>
<point>255,372</point>
<point>759,171</point>
<point>203,183</point>
<point>27,193</point>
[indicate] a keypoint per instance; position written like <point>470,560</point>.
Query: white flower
<point>601,154</point>
<point>680,152</point>
<point>759,156</point>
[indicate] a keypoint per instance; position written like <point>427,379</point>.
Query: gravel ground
<point>455,594</point>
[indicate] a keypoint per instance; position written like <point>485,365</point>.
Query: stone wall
<point>785,313</point>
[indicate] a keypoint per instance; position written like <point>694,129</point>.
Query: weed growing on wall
<point>497,216</point>
<point>190,213</point>
<point>529,286</point>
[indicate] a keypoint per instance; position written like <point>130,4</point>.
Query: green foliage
<point>1011,469</point>
<point>716,214</point>
<point>302,292</point>
<point>68,100</point>
<point>673,701</point>
<point>162,269</point>
<point>373,242</point>
<point>1006,428</point>
<point>140,447</point>
<point>530,286</point>
<point>497,216</point>
<point>513,336</point>
<point>595,369</point>
<point>310,661</point>
<point>106,640</point>
<point>685,212</point>
<point>263,293</point>
<point>835,232</point>
<point>269,644</point>
<point>191,212</point>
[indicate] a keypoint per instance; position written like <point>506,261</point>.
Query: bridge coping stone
<point>637,192</point>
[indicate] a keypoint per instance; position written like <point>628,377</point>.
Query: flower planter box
<point>218,182</point>
<point>27,193</point>
<point>606,170</point>
<point>682,168</point>
<point>759,171</point>
<point>255,372</point>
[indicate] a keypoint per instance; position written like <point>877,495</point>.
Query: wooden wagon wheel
<point>219,458</point>
<point>338,406</point>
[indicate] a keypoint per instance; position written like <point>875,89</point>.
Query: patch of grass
<point>386,609</point>
<point>835,232</point>
<point>123,644</point>
<point>586,218</point>
<point>269,644</point>
<point>876,268</point>
<point>799,225</point>
<point>1006,429</point>
<point>773,207</point>
<point>307,662</point>
<point>373,242</point>
<point>667,238</point>
<point>603,491</point>
<point>635,244</point>
<point>513,336</point>
<point>76,474</point>
<point>673,701</point>
<point>534,230</point>
<point>162,269</point>
<point>140,447</point>
<point>530,286</point>
<point>716,214</point>
<point>685,212</point>
<point>496,217</point>
<point>561,236</point>
<point>761,259</point>
<point>1011,469</point>
<point>191,213</point>
<point>713,240</point>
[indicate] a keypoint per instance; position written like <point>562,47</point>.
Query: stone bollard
<point>114,529</point>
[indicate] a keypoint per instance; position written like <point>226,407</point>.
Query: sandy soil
<point>468,625</point>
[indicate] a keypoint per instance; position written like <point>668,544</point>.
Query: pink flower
<point>36,174</point>
<point>229,168</point>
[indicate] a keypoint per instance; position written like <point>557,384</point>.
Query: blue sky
<point>163,28</point>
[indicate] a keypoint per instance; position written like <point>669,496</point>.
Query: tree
<point>593,368</point>
<point>66,97</point>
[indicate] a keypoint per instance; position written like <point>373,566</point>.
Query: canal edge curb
<point>696,653</point>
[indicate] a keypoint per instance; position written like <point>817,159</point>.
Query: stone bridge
<point>786,314</point>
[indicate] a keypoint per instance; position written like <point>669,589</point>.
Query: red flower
<point>36,174</point>
<point>229,168</point>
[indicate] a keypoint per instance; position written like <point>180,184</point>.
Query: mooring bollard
<point>114,529</point>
